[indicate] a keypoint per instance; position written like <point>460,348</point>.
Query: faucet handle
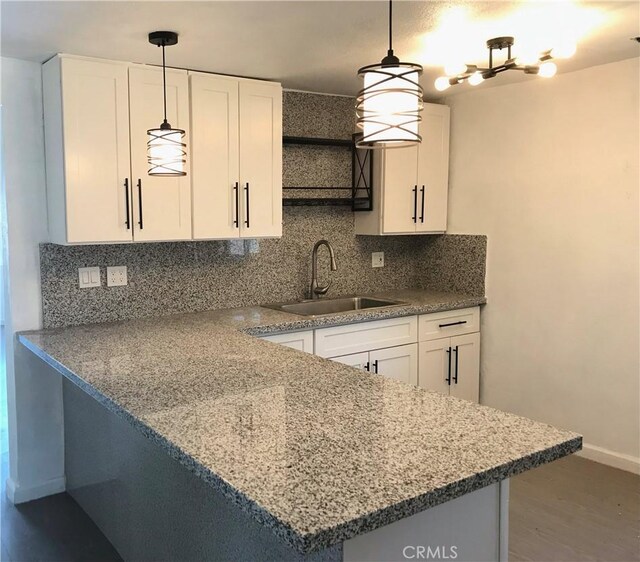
<point>322,290</point>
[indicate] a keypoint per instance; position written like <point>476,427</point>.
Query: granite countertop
<point>318,451</point>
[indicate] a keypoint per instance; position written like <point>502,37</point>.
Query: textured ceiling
<point>318,46</point>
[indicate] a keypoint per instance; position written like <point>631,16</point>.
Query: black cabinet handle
<point>140,203</point>
<point>236,189</point>
<point>246,189</point>
<point>452,324</point>
<point>366,366</point>
<point>422,211</point>
<point>455,376</point>
<point>375,366</point>
<point>414,218</point>
<point>126,202</point>
<point>448,379</point>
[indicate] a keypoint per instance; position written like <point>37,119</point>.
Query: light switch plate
<point>89,277</point>
<point>377,259</point>
<point>116,276</point>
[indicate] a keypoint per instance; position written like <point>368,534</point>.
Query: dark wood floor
<point>573,510</point>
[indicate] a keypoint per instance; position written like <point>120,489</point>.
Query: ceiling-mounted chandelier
<point>166,152</point>
<point>475,75</point>
<point>388,106</point>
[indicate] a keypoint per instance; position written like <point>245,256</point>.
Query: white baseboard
<point>611,458</point>
<point>21,494</point>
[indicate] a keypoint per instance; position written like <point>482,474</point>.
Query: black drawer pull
<point>236,189</point>
<point>414,218</point>
<point>246,189</point>
<point>366,366</point>
<point>375,366</point>
<point>455,376</point>
<point>452,324</point>
<point>448,379</point>
<point>140,203</point>
<point>126,202</point>
<point>422,211</point>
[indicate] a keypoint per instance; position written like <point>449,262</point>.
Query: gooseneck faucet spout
<point>315,290</point>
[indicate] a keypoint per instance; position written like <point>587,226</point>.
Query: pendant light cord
<point>164,84</point>
<point>390,26</point>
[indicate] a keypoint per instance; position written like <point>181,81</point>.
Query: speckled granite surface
<point>318,451</point>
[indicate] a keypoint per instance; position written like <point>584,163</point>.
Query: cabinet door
<point>260,159</point>
<point>95,125</point>
<point>161,205</point>
<point>358,360</point>
<point>302,341</point>
<point>400,363</point>
<point>400,178</point>
<point>214,156</point>
<point>465,380</point>
<point>433,169</point>
<point>435,365</point>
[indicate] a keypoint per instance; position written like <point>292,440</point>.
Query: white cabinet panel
<point>433,169</point>
<point>451,366</point>
<point>412,183</point>
<point>161,205</point>
<point>434,360</point>
<point>400,363</point>
<point>358,360</point>
<point>302,341</point>
<point>343,340</point>
<point>400,177</point>
<point>215,156</point>
<point>465,380</point>
<point>86,107</point>
<point>449,323</point>
<point>260,159</point>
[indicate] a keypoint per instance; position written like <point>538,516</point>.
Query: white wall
<point>549,170</point>
<point>34,401</point>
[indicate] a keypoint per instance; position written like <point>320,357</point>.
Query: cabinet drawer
<point>354,338</point>
<point>302,341</point>
<point>449,323</point>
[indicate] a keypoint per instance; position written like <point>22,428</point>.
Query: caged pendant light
<point>388,106</point>
<point>166,152</point>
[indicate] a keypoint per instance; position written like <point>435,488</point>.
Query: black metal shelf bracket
<point>361,189</point>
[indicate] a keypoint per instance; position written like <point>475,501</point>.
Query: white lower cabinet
<point>451,366</point>
<point>400,363</point>
<point>302,341</point>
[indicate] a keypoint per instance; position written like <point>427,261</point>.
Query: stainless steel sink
<point>323,307</point>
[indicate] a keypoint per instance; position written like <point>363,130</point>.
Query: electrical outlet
<point>89,277</point>
<point>116,276</point>
<point>377,259</point>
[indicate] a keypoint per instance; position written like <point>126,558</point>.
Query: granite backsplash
<point>169,278</point>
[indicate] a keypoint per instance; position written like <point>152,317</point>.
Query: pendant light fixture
<point>166,152</point>
<point>388,106</point>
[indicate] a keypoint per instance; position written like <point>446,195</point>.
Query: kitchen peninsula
<point>192,423</point>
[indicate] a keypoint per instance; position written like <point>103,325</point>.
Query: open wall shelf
<point>360,191</point>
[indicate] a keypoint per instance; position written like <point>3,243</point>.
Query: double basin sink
<point>322,307</point>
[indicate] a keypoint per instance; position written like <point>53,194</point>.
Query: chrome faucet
<point>315,291</point>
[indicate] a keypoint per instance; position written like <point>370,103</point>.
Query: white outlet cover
<point>89,277</point>
<point>117,276</point>
<point>377,259</point>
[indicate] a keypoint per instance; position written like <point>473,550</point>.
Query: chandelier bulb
<point>547,69</point>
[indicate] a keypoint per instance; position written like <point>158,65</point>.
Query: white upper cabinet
<point>261,159</point>
<point>161,205</point>
<point>237,157</point>
<point>215,159</point>
<point>86,112</point>
<point>411,184</point>
<point>97,114</point>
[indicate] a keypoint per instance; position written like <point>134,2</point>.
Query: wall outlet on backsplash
<point>377,259</point>
<point>117,276</point>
